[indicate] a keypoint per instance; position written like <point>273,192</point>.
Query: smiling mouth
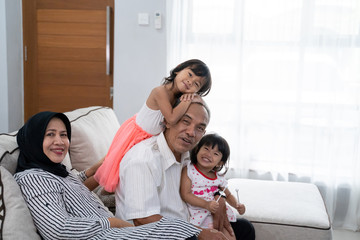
<point>186,140</point>
<point>205,159</point>
<point>58,151</point>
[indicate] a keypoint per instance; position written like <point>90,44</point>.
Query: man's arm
<point>220,219</point>
<point>205,234</point>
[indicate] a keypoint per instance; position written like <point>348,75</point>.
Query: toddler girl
<point>186,81</point>
<point>200,180</point>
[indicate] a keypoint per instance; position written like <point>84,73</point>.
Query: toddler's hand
<point>240,208</point>
<point>212,206</point>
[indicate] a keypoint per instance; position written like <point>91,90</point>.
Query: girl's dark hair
<point>213,140</point>
<point>199,68</point>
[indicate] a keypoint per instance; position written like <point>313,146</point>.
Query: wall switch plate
<point>157,20</point>
<point>143,19</point>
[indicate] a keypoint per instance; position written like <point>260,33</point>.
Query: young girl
<point>200,180</point>
<point>185,81</point>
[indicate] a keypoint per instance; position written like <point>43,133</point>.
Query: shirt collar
<point>167,154</point>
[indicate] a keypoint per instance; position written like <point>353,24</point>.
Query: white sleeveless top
<point>151,121</point>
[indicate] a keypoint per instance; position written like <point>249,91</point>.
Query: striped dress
<point>63,208</point>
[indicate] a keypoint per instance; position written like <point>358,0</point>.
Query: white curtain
<point>286,89</point>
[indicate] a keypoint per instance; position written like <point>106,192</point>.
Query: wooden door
<point>68,58</point>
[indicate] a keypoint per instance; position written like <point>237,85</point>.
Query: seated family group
<point>163,168</point>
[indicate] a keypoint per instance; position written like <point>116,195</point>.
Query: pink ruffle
<point>126,137</point>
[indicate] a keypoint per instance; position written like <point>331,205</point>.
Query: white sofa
<point>278,210</point>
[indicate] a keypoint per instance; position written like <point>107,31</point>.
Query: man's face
<point>187,132</point>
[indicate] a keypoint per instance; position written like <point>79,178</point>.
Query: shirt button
<point>155,147</point>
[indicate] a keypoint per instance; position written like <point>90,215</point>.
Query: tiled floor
<point>345,235</point>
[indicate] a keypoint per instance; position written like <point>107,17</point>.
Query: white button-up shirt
<point>150,181</point>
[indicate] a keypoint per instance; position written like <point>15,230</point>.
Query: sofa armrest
<point>15,218</point>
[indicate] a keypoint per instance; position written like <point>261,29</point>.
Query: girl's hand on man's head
<point>187,97</point>
<point>198,99</point>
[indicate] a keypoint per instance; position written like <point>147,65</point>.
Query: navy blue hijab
<point>30,140</point>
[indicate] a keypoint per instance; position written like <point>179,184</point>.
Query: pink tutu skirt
<point>126,137</point>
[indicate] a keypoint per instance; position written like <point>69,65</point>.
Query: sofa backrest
<point>93,130</point>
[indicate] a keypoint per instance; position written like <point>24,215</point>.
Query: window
<point>286,82</point>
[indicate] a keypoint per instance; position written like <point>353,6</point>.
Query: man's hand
<point>220,219</point>
<point>211,234</point>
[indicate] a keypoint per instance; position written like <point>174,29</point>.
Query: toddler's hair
<point>212,140</point>
<point>199,68</point>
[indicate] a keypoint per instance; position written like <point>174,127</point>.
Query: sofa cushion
<point>15,217</point>
<point>283,210</point>
<point>93,130</point>
<point>9,151</point>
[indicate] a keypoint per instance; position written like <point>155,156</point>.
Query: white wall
<point>4,124</point>
<point>139,55</point>
<point>139,59</point>
<point>11,74</point>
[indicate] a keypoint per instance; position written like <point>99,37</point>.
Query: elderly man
<point>150,175</point>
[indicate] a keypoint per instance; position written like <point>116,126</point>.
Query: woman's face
<point>56,142</point>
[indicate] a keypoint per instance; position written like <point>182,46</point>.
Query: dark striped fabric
<point>2,207</point>
<point>63,208</point>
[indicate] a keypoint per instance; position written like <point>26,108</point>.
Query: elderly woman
<point>61,206</point>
